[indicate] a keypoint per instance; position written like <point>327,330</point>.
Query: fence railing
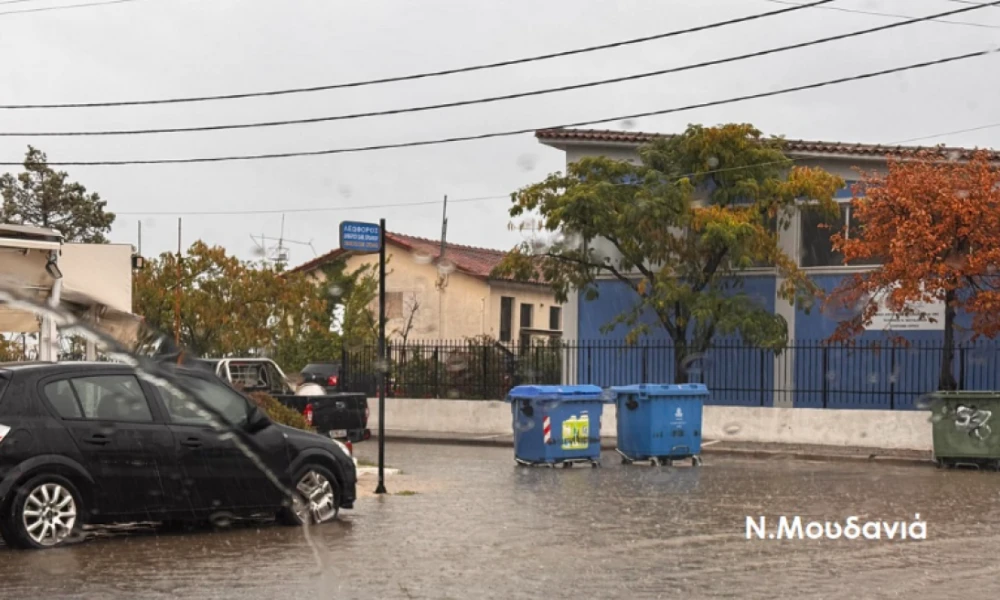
<point>813,374</point>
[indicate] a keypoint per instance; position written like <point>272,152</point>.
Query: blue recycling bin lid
<point>653,390</point>
<point>565,393</point>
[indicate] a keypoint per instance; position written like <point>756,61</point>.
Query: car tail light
<point>332,381</point>
<point>308,414</point>
<point>4,430</point>
<point>350,447</point>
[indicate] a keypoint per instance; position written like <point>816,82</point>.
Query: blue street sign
<point>359,237</point>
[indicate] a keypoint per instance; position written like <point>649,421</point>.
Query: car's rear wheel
<point>45,512</point>
<point>316,498</point>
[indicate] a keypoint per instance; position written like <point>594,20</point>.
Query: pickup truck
<point>339,415</point>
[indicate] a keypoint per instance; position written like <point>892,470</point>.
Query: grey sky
<point>164,48</point>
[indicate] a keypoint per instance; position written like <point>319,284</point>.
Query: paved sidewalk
<point>747,449</point>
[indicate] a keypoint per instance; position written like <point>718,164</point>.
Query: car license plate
<point>338,433</point>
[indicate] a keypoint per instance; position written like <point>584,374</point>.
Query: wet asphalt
<point>465,522</point>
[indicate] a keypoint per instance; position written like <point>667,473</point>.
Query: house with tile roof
<point>455,296</point>
<point>805,375</point>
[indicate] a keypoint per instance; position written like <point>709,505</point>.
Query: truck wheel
<point>316,498</point>
<point>44,512</point>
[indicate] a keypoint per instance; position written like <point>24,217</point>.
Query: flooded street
<point>465,522</point>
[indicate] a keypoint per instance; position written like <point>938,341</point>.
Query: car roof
<point>82,366</point>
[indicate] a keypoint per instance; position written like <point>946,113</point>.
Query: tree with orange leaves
<point>934,225</point>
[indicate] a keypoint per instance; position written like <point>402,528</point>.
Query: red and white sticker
<point>547,429</point>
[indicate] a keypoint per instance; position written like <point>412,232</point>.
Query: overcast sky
<point>147,49</point>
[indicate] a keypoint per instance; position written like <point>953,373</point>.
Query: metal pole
<point>177,290</point>
<point>383,363</point>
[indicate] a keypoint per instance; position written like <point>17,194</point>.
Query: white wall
<point>897,430</point>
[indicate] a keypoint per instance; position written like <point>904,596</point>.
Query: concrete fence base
<point>897,430</point>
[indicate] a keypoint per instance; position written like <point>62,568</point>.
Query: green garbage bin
<point>963,425</point>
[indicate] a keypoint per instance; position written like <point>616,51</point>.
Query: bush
<point>278,412</point>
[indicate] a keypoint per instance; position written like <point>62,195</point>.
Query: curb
<point>814,454</point>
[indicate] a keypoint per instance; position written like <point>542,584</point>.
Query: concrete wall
<point>902,430</point>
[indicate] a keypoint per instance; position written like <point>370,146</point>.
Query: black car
<point>94,443</point>
<point>326,374</point>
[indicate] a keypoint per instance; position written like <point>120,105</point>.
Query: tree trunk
<point>946,381</point>
<point>680,361</point>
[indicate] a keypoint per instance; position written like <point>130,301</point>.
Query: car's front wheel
<point>316,499</point>
<point>45,512</point>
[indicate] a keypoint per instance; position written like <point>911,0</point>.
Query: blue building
<point>808,373</point>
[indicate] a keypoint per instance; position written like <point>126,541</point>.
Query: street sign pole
<point>369,238</point>
<point>383,360</point>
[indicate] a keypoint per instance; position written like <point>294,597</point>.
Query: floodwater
<point>465,522</point>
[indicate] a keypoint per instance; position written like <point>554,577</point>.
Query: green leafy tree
<point>359,321</point>
<point>44,197</point>
<point>694,211</point>
<point>228,306</point>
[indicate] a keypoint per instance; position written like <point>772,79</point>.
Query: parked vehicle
<point>93,443</point>
<point>339,415</point>
<point>326,374</point>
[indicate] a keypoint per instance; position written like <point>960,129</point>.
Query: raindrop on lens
<point>713,162</point>
<point>382,365</point>
<point>527,162</point>
<point>453,394</point>
<point>344,190</point>
<point>627,123</point>
<point>445,266</point>
<point>422,257</point>
<point>732,428</point>
<point>336,290</point>
<point>221,520</point>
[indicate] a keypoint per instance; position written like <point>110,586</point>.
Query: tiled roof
<point>477,262</point>
<point>792,146</point>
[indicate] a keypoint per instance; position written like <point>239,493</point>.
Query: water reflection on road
<point>479,527</point>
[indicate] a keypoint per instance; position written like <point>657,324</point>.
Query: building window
<point>816,248</point>
<point>555,318</point>
<point>506,318</point>
<point>394,305</point>
<point>527,311</point>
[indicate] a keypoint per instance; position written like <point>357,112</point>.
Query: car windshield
<point>216,395</point>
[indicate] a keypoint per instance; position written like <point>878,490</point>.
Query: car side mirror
<point>257,420</point>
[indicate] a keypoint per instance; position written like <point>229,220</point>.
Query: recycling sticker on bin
<point>576,432</point>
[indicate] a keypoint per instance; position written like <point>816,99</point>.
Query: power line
<point>565,88</point>
<point>50,8</point>
<point>426,75</point>
<point>509,133</point>
<point>893,15</point>
<point>305,210</point>
<point>318,209</point>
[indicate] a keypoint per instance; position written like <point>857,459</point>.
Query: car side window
<point>183,409</point>
<point>62,398</point>
<point>111,398</point>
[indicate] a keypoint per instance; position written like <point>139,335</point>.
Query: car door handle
<point>98,439</point>
<point>192,443</point>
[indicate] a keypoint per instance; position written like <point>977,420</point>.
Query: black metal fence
<point>811,374</point>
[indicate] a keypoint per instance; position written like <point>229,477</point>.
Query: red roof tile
<point>477,262</point>
<point>792,146</point>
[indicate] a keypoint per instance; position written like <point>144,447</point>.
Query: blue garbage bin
<point>556,424</point>
<point>660,423</point>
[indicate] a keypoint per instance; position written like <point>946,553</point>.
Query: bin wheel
<point>654,461</point>
<point>667,462</point>
<point>594,464</point>
<point>567,465</point>
<point>626,461</point>
<point>695,461</point>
